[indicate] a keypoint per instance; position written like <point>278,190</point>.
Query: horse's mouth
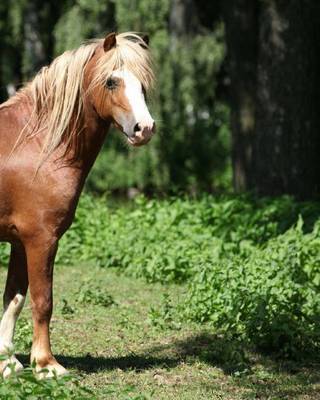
<point>131,140</point>
<point>138,141</point>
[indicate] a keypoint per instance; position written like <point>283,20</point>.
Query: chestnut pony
<point>51,132</point>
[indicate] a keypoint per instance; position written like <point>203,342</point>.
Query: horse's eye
<point>111,84</point>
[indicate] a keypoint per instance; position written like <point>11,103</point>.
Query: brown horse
<point>50,135</point>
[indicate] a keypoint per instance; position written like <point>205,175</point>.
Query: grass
<point>104,330</point>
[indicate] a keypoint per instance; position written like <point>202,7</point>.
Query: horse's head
<point>128,108</point>
<point>124,74</point>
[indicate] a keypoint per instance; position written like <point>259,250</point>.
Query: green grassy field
<point>105,331</point>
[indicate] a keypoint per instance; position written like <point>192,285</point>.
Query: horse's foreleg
<point>14,296</point>
<point>40,255</point>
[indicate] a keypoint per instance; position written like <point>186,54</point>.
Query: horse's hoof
<point>9,366</point>
<point>50,371</point>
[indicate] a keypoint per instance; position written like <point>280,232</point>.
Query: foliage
<point>81,20</point>
<point>169,239</point>
<point>26,386</point>
<point>23,334</point>
<point>272,298</point>
<point>92,293</point>
<point>164,316</point>
<point>66,309</point>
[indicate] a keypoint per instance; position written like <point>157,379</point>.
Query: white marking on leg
<point>9,365</point>
<point>8,323</point>
<point>7,326</point>
<point>50,370</point>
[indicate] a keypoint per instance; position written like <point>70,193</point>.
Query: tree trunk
<point>240,18</point>
<point>182,19</point>
<point>287,142</point>
<point>34,56</point>
<point>274,56</point>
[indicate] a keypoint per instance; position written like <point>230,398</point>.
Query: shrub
<point>168,240</point>
<point>272,299</point>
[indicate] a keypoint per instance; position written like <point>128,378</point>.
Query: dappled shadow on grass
<point>228,354</point>
<point>283,380</point>
<point>211,349</point>
<point>283,387</point>
<point>263,375</point>
<point>260,374</point>
<point>216,350</point>
<point>90,364</point>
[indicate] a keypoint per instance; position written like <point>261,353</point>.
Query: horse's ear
<point>145,38</point>
<point>110,41</point>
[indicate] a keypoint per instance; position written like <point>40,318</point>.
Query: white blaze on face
<point>139,110</point>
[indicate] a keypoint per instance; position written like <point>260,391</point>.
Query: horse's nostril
<point>153,129</point>
<point>137,127</point>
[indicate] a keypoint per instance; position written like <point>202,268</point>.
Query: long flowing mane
<point>57,90</point>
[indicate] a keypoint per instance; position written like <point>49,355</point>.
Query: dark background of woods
<point>237,98</point>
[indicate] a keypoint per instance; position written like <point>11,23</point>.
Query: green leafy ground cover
<point>253,266</point>
<point>225,289</point>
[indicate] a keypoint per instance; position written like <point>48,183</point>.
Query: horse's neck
<point>91,138</point>
<point>83,151</point>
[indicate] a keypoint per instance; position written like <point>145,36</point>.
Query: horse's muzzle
<point>142,134</point>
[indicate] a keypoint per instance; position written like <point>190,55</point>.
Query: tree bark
<point>287,142</point>
<point>240,18</point>
<point>273,48</point>
<point>34,52</point>
<point>182,20</point>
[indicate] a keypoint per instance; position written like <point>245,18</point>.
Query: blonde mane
<point>57,90</point>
